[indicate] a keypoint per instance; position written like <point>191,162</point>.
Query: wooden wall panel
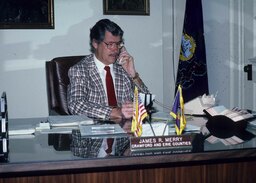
<point>69,178</point>
<point>20,180</point>
<point>210,173</point>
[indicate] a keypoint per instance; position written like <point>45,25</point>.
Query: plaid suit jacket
<point>86,94</point>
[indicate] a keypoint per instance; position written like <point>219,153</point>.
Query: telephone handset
<point>120,59</point>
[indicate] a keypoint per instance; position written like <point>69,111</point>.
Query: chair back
<point>57,82</point>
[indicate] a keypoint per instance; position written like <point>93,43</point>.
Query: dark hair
<point>97,32</point>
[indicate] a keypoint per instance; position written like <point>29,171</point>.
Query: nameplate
<point>161,142</point>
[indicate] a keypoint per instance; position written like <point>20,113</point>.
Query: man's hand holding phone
<point>127,62</point>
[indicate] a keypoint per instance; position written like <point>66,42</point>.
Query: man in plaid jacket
<point>87,90</point>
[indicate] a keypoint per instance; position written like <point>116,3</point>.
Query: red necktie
<point>111,102</point>
<point>110,88</point>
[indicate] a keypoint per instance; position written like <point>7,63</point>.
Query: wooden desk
<point>233,164</point>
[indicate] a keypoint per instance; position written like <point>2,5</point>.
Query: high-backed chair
<point>57,83</point>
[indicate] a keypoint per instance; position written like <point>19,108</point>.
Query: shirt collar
<point>100,65</point>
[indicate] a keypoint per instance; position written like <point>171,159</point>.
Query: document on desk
<point>188,128</point>
<point>164,128</point>
<point>69,120</point>
<point>155,129</point>
<point>161,116</point>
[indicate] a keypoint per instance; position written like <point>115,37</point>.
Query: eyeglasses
<point>113,45</point>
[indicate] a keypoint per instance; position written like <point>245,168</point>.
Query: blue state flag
<point>178,112</point>
<point>192,68</point>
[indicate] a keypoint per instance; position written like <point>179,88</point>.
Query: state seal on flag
<point>188,46</point>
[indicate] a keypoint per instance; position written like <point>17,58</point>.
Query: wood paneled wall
<point>211,173</point>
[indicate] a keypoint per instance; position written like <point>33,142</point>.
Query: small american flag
<point>139,114</point>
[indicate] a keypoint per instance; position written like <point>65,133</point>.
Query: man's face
<point>106,53</point>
